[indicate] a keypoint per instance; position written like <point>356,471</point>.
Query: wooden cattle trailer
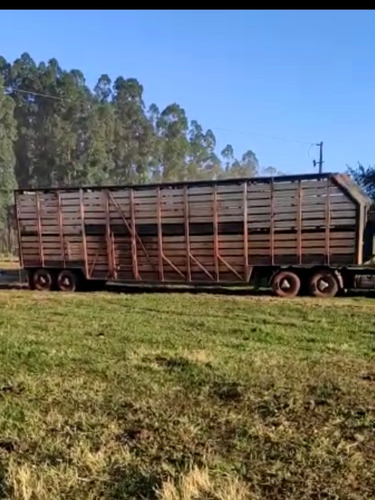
<point>291,230</point>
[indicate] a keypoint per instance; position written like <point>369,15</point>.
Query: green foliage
<point>365,177</point>
<point>68,134</point>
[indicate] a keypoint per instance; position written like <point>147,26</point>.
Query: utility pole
<point>320,162</point>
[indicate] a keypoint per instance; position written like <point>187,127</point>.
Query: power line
<point>40,94</point>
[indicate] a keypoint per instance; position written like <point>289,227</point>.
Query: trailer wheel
<point>41,280</point>
<point>286,284</point>
<point>323,284</point>
<point>67,281</point>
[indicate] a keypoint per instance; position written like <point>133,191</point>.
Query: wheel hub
<point>323,285</point>
<point>285,285</point>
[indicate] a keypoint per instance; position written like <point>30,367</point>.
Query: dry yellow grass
<point>198,484</point>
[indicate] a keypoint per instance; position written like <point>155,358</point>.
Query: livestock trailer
<point>297,232</point>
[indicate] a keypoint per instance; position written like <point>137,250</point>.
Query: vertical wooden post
<point>160,237</point>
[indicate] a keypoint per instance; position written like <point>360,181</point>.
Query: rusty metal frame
<point>299,223</point>
<point>84,241</point>
<point>133,236</point>
<point>160,237</point>
<point>216,234</point>
<point>39,225</point>
<point>61,231</point>
<point>108,237</point>
<point>360,216</point>
<point>328,221</point>
<point>248,270</point>
<point>113,256</point>
<point>272,222</point>
<point>187,233</point>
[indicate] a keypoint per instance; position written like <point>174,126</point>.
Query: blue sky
<point>251,76</point>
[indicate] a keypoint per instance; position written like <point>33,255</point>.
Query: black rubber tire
<point>286,284</point>
<point>41,280</point>
<point>323,284</point>
<point>67,281</point>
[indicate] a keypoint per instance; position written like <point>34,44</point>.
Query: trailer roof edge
<point>280,178</point>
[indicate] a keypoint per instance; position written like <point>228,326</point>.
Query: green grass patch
<point>186,397</point>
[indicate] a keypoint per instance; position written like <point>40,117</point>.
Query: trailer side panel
<point>190,233</point>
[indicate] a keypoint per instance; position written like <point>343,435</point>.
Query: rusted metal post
<point>133,237</point>
<point>108,238</point>
<point>216,233</point>
<point>272,222</point>
<point>328,222</point>
<point>113,255</point>
<point>61,232</point>
<point>160,237</point>
<point>299,223</point>
<point>39,225</point>
<point>187,234</point>
<point>245,233</point>
<point>360,233</point>
<point>83,231</point>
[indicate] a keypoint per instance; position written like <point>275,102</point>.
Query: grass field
<point>186,397</point>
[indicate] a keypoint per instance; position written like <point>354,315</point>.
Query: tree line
<point>56,131</point>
